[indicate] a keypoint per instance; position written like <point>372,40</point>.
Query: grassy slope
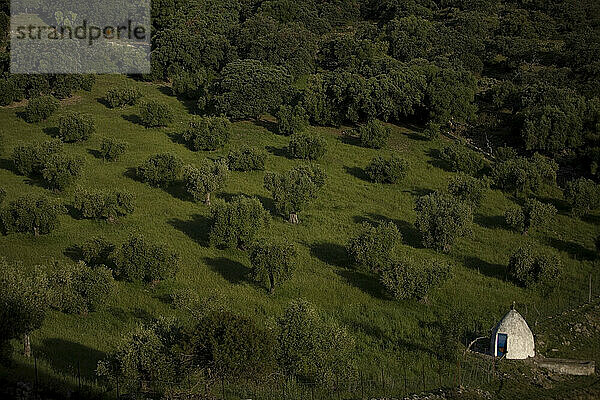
<point>386,330</point>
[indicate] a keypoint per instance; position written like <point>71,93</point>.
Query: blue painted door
<point>501,346</point>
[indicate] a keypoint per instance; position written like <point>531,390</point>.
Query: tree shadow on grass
<point>330,253</point>
<point>574,250</point>
<point>366,282</point>
<point>177,189</point>
<point>7,165</point>
<point>73,252</point>
<point>357,172</point>
<point>133,118</point>
<point>51,131</point>
<point>410,235</point>
<point>271,126</point>
<point>497,271</point>
<point>562,206</point>
<point>197,229</point>
<point>67,357</point>
<point>490,221</point>
<point>95,153</point>
<point>234,272</point>
<point>278,151</point>
<point>436,160</point>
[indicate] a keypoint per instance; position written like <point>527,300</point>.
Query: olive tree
<point>96,251</point>
<point>467,189</point>
<point>583,195</point>
<point>201,181</point>
<point>75,127</point>
<point>462,159</point>
<point>387,170</point>
<point>61,170</point>
<point>374,134</point>
<point>30,214</point>
<point>160,170</point>
<point>272,263</point>
<point>313,347</point>
<point>24,300</point>
<point>246,159</point>
<point>442,219</point>
<point>139,260</point>
<point>374,246</point>
<point>293,190</point>
<point>306,146</point>
<point>207,133</point>
<point>111,149</point>
<point>532,215</point>
<point>291,119</point>
<point>236,224</point>
<point>411,279</point>
<point>532,268</point>
<point>101,204</point>
<point>154,114</point>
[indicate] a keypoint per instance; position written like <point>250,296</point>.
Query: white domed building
<point>512,338</point>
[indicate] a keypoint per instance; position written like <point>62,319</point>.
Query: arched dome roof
<point>520,342</point>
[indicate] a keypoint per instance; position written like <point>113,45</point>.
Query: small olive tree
<point>207,133</point>
<point>139,260</point>
<point>30,214</point>
<point>61,170</point>
<point>291,119</point>
<point>154,114</point>
<point>374,134</point>
<point>111,149</point>
<point>24,299</point>
<point>122,96</point>
<point>374,246</point>
<point>202,181</point>
<point>461,159</point>
<point>410,279</point>
<point>160,170</point>
<point>532,268</point>
<point>237,224</point>
<point>75,127</point>
<point>293,190</point>
<point>387,170</point>
<point>272,263</point>
<point>96,251</point>
<point>40,108</point>
<point>246,159</point>
<point>306,146</point>
<point>103,204</point>
<point>442,219</point>
<point>583,195</point>
<point>467,189</point>
<point>532,215</point>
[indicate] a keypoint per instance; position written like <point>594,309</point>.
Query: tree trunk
<point>293,218</point>
<point>26,345</point>
<point>272,283</point>
<point>207,199</point>
<point>36,231</point>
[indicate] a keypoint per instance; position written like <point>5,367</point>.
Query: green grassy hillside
<point>388,333</point>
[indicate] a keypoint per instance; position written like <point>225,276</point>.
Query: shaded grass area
<point>388,333</point>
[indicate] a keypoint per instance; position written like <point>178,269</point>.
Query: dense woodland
<point>504,94</point>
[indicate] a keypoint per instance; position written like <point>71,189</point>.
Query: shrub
<point>209,177</point>
<point>432,130</point>
<point>61,170</point>
<point>390,170</point>
<point>75,127</point>
<point>533,215</point>
<point>79,289</point>
<point>40,108</point>
<point>306,146</point>
<point>291,119</point>
<point>442,219</point>
<point>139,260</point>
<point>96,251</point>
<point>231,347</point>
<point>87,82</point>
<point>373,248</point>
<point>414,280</point>
<point>374,134</point>
<point>207,133</point>
<point>103,204</point>
<point>313,348</point>
<point>237,224</point>
<point>272,263</point>
<point>583,195</point>
<point>145,354</point>
<point>121,97</point>
<point>30,214</point>
<point>29,159</point>
<point>505,153</point>
<point>160,170</point>
<point>191,85</point>
<point>523,176</point>
<point>9,91</point>
<point>467,189</point>
<point>154,114</point>
<point>246,159</point>
<point>112,149</point>
<point>532,268</point>
<point>461,159</point>
<point>291,191</point>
